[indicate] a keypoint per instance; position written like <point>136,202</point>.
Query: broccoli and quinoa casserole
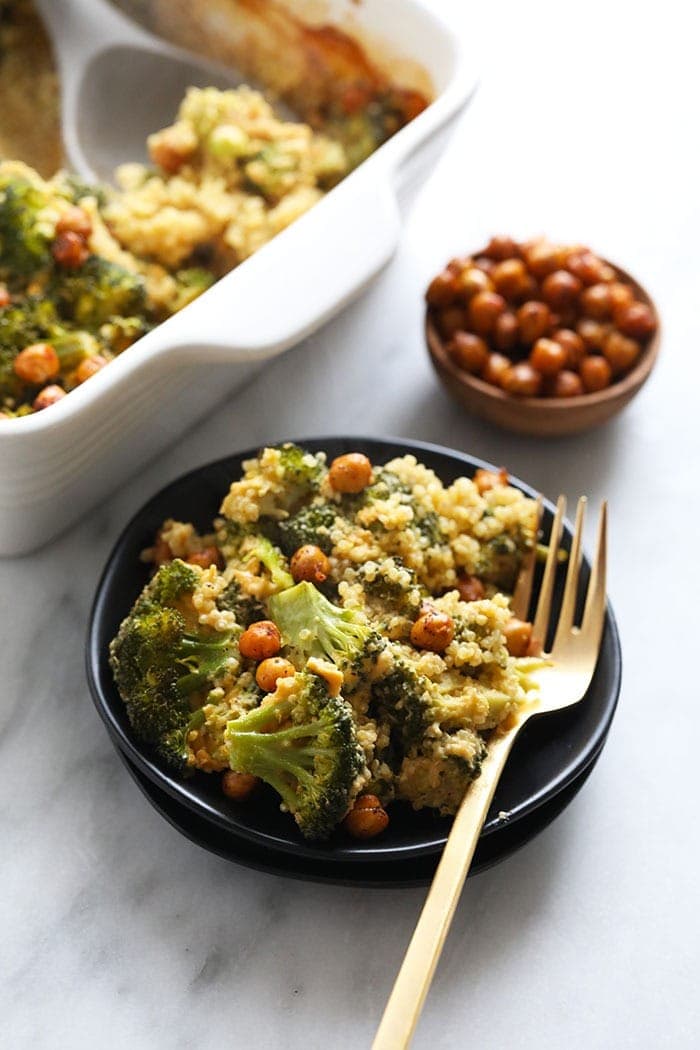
<point>343,634</point>
<point>85,270</point>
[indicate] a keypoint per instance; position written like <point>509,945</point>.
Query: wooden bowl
<point>544,416</point>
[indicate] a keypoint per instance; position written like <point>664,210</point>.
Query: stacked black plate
<point>551,759</point>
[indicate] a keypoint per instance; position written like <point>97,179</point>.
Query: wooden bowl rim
<point>618,389</point>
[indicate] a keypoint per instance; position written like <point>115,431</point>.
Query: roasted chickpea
<point>595,373</point>
<point>593,333</point>
<point>566,384</point>
<point>472,281</point>
<point>367,818</point>
<point>560,289</point>
<point>484,263</point>
<point>469,351</point>
<point>450,320</point>
<point>470,588</point>
<point>260,640</point>
<point>75,220</point>
<point>442,290</point>
<point>433,630</point>
<point>529,289</point>
<point>36,364</point>
<point>543,258</point>
<point>548,357</point>
<point>495,368</point>
<point>621,294</point>
<point>517,634</point>
<point>268,671</point>
<point>172,147</point>
<point>501,247</point>
<point>69,250</point>
<point>89,367</point>
<point>47,397</point>
<point>510,277</point>
<point>483,311</point>
<point>238,786</point>
<point>459,264</point>
<point>350,473</point>
<point>533,321</point>
<point>207,557</point>
<point>5,297</point>
<point>505,331</point>
<point>636,320</point>
<point>522,379</point>
<point>620,352</point>
<point>586,266</point>
<point>485,480</point>
<point>310,563</point>
<point>573,345</point>
<point>596,301</point>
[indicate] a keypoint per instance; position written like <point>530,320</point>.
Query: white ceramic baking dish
<point>56,464</point>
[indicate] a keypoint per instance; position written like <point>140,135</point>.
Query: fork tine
<point>526,577</point>
<point>544,604</point>
<point>568,604</point>
<point>594,611</point>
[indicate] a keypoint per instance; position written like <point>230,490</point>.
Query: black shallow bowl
<point>414,871</point>
<point>550,753</point>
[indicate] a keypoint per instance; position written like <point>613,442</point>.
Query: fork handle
<point>414,978</point>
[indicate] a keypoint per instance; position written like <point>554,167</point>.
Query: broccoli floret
<point>173,745</point>
<point>427,525</point>
<point>75,189</point>
<point>98,291</point>
<point>401,699</point>
<point>302,473</point>
<point>248,548</point>
<point>190,284</point>
<point>311,625</point>
<point>164,661</point>
<point>275,484</point>
<point>21,324</point>
<point>73,347</point>
<point>499,562</point>
<point>274,561</point>
<point>230,535</point>
<point>437,772</point>
<point>311,524</point>
<point>393,584</point>
<point>305,746</point>
<point>25,230</point>
<point>120,332</point>
<point>244,607</point>
<point>385,484</point>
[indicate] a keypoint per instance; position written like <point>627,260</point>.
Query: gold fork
<point>562,682</point>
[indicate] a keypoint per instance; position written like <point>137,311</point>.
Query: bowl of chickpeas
<point>540,338</point>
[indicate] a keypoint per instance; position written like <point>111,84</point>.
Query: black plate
<point>550,753</point>
<point>416,871</point>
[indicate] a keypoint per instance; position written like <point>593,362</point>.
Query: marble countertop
<point>117,932</point>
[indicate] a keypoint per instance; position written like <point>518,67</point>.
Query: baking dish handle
<point>296,281</point>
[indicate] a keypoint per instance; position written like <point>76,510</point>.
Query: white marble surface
<point>117,932</point>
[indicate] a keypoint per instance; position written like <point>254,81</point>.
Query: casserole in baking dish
<point>56,464</point>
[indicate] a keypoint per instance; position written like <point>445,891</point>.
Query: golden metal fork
<point>562,682</point>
